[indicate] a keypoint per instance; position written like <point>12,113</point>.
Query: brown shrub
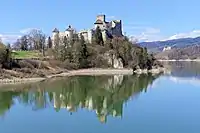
<point>99,61</point>
<point>35,63</point>
<point>55,63</point>
<point>25,64</point>
<point>67,65</point>
<point>26,70</point>
<point>41,73</point>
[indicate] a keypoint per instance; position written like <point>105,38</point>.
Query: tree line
<point>34,40</point>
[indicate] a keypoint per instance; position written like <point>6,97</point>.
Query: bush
<point>25,64</point>
<point>2,55</point>
<point>50,52</point>
<point>67,65</point>
<point>55,63</point>
<point>34,63</point>
<point>99,61</point>
<point>26,70</point>
<point>40,73</point>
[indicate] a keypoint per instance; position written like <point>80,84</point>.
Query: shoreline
<point>92,71</point>
<point>186,60</point>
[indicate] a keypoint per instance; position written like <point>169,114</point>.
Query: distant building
<point>167,48</point>
<point>108,29</point>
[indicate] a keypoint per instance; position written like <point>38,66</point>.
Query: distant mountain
<point>187,52</point>
<point>158,46</point>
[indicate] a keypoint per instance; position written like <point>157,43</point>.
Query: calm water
<point>105,104</point>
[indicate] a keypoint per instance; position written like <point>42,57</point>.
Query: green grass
<point>26,54</point>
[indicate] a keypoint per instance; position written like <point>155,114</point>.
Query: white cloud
<point>133,39</point>
<point>12,37</point>
<point>9,38</point>
<point>110,17</point>
<point>27,30</point>
<point>148,34</point>
<point>192,34</point>
<point>152,30</point>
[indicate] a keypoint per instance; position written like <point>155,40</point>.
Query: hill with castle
<point>103,46</point>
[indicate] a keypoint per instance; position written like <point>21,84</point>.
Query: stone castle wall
<point>117,29</point>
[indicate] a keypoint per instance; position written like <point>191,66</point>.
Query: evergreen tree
<point>56,45</point>
<point>8,46</point>
<point>49,43</point>
<point>83,53</point>
<point>76,56</point>
<point>140,58</point>
<point>98,36</point>
<point>150,61</point>
<point>109,44</point>
<point>145,56</point>
<point>65,41</point>
<point>74,39</point>
<point>64,49</point>
<point>42,43</point>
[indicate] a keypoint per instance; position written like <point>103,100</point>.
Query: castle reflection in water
<point>104,95</point>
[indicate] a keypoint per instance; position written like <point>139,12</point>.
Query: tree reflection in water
<point>103,94</point>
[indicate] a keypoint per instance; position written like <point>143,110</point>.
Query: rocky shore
<point>153,71</point>
<point>95,71</point>
<point>181,60</point>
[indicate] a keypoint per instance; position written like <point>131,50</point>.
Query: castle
<point>108,29</point>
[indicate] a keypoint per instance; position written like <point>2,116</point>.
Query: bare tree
<point>24,42</point>
<point>37,37</point>
<point>17,45</point>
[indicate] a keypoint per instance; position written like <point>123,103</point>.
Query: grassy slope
<point>26,54</point>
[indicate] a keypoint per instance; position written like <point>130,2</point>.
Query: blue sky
<point>146,20</point>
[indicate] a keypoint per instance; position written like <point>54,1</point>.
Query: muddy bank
<point>96,71</point>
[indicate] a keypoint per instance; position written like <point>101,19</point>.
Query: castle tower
<point>101,17</point>
<point>69,32</point>
<point>55,33</point>
<point>116,29</point>
<point>100,21</point>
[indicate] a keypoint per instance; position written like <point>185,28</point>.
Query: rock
<point>118,63</point>
<point>114,61</point>
<point>137,67</point>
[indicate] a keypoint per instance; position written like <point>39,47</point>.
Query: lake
<point>168,103</point>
